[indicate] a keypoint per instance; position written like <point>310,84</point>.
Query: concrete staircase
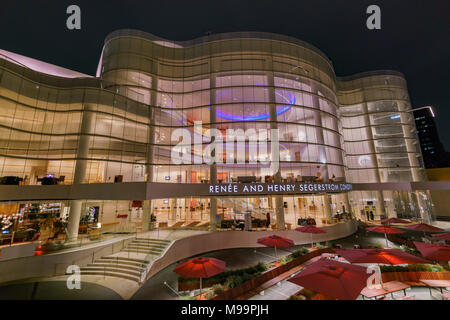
<point>131,262</point>
<point>147,246</point>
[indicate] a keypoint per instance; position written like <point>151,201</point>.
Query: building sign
<point>274,188</point>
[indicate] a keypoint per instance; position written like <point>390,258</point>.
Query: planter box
<point>268,275</point>
<point>194,285</point>
<point>400,241</point>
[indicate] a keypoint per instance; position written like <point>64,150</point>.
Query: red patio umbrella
<point>310,230</point>
<point>424,227</point>
<point>394,220</point>
<point>200,268</point>
<point>333,279</point>
<point>383,256</point>
<point>276,242</point>
<point>437,252</point>
<point>385,230</point>
<point>444,236</point>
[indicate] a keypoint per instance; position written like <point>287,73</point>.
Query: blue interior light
<point>236,117</point>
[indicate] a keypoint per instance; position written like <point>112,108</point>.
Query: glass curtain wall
<point>240,79</point>
<point>381,143</point>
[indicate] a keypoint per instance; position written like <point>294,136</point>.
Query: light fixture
<point>431,110</point>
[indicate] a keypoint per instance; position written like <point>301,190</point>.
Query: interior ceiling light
<point>235,117</point>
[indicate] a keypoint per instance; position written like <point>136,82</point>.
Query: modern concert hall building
<point>100,149</point>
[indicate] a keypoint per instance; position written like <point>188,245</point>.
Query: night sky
<point>415,35</point>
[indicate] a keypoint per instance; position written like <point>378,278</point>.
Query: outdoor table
<point>439,284</point>
<point>406,298</point>
<point>401,298</point>
<point>386,288</point>
<point>445,296</point>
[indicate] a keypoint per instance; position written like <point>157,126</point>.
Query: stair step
<point>156,245</point>
<point>144,248</point>
<point>153,240</point>
<point>151,252</point>
<point>116,266</point>
<point>110,274</point>
<point>145,243</point>
<point>111,269</point>
<point>120,262</point>
<point>126,259</point>
<point>137,243</point>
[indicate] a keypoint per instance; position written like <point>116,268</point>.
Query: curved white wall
<point>191,246</point>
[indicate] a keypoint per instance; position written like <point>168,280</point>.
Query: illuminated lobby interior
<point>116,127</point>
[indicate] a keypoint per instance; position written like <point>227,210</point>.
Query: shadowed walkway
<point>56,290</point>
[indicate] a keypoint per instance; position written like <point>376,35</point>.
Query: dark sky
<point>415,35</point>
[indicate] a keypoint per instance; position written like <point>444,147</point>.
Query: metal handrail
<point>93,254</point>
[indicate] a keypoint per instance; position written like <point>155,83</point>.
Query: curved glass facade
<point>381,141</point>
<point>121,125</point>
<point>242,79</point>
<point>41,126</point>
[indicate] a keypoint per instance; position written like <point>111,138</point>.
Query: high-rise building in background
<point>433,152</point>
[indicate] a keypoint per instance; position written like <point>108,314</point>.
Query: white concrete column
<point>326,206</point>
<point>80,171</point>
<point>173,209</point>
<point>74,220</point>
<point>279,205</point>
<point>348,208</point>
<point>213,120</point>
<point>321,147</point>
<point>151,131</point>
<point>319,133</point>
<point>146,213</point>
<point>213,166</point>
<point>83,145</point>
<point>380,207</point>
<point>212,213</point>
<point>381,210</point>
<point>149,170</point>
<point>429,205</point>
<point>423,208</point>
